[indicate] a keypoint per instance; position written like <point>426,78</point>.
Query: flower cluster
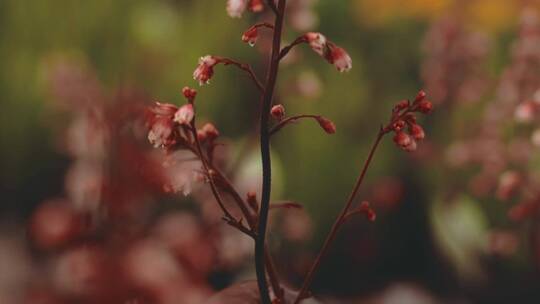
<point>403,123</point>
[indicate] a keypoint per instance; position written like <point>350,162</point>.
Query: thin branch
<point>289,47</point>
<point>339,221</point>
<point>289,120</point>
<point>244,67</point>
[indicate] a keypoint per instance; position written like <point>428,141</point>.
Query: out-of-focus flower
<point>509,183</point>
<point>339,58</point>
<point>256,6</point>
<point>54,224</point>
<point>502,243</point>
<point>183,171</point>
<point>296,225</point>
<point>317,42</point>
<point>161,133</point>
<point>205,70</point>
<point>235,8</point>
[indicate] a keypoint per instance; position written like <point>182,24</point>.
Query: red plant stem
<point>339,221</point>
<point>289,47</point>
<point>288,120</point>
<point>260,241</point>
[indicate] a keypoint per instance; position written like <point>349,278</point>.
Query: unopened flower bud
<point>185,114</point>
<point>327,125</point>
<point>278,111</point>
<point>417,132</point>
<point>189,93</point>
<point>420,96</point>
<point>398,125</point>
<point>366,209</point>
<point>425,106</point>
<point>402,139</point>
<point>210,131</point>
<point>402,105</point>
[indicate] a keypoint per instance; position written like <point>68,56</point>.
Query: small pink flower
<point>184,115</point>
<point>235,8</point>
<point>160,134</point>
<point>366,209</point>
<point>327,125</point>
<point>250,36</point>
<point>317,42</point>
<point>205,69</point>
<point>278,111</point>
<point>256,6</point>
<point>339,58</point>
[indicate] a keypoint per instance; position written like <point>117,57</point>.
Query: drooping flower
<point>250,36</point>
<point>317,42</point>
<point>205,69</point>
<point>184,115</point>
<point>189,93</point>
<point>235,8</point>
<point>339,58</point>
<point>327,125</point>
<point>161,132</point>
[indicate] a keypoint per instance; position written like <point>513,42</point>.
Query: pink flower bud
<point>205,69</point>
<point>405,141</point>
<point>189,93</point>
<point>425,106</point>
<point>339,58</point>
<point>417,132</point>
<point>160,134</point>
<point>210,131</point>
<point>420,96</point>
<point>235,8</point>
<point>250,36</point>
<point>278,111</point>
<point>402,139</point>
<point>402,105</point>
<point>327,125</point>
<point>256,6</point>
<point>398,125</point>
<point>366,209</point>
<point>317,41</point>
<point>185,114</point>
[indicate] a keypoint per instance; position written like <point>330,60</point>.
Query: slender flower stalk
<point>260,242</point>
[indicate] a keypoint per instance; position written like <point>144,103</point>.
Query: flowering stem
<point>260,242</point>
<point>303,293</point>
<point>227,215</point>
<point>288,120</point>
